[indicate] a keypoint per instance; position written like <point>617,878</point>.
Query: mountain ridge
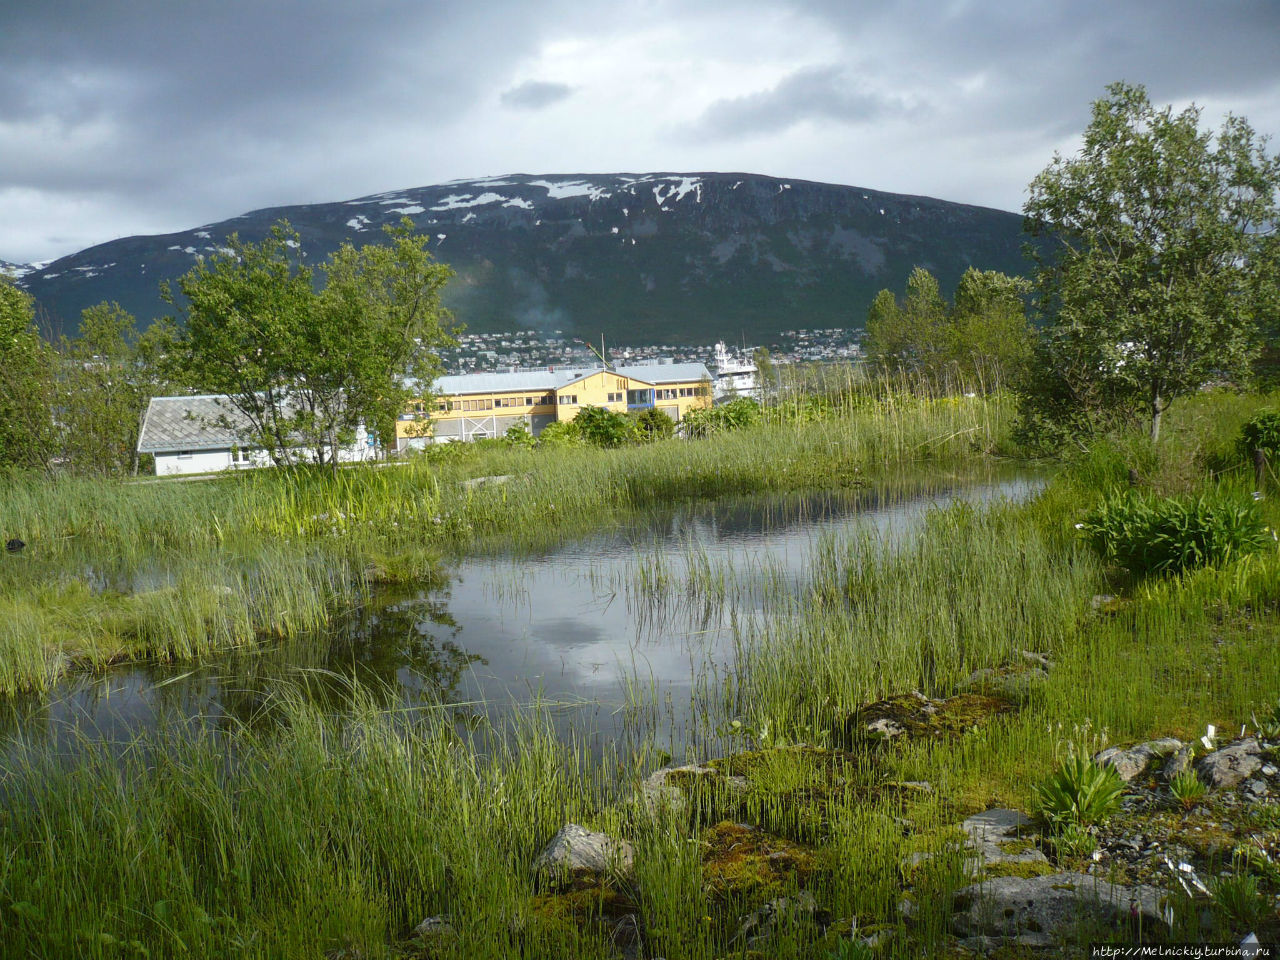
<point>641,258</point>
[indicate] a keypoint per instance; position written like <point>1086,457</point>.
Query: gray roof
<point>542,380</point>
<point>666,372</point>
<point>190,423</point>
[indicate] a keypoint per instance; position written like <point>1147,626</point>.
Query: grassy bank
<point>116,570</point>
<point>311,834</point>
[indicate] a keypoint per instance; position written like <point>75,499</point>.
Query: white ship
<point>734,376</point>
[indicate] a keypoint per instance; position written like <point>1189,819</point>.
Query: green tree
<point>652,424</point>
<point>911,334</point>
<point>26,383</point>
<point>604,427</point>
<point>104,388</point>
<point>1151,286</point>
<point>990,339</point>
<point>303,368</point>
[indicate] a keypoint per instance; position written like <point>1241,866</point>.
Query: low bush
<point>1079,794</point>
<point>1261,432</point>
<point>1152,535</point>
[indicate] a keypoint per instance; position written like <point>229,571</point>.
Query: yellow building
<point>477,405</point>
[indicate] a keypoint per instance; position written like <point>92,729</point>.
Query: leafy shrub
<point>1268,725</point>
<point>1080,793</point>
<point>518,435</point>
<point>561,433</point>
<point>1261,433</point>
<point>653,424</point>
<point>604,427</point>
<point>1187,789</point>
<point>1168,535</point>
<point>1239,899</point>
<point>733,415</point>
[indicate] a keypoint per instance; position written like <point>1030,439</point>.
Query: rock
<point>13,545</point>
<point>1268,770</point>
<point>1014,685</point>
<point>434,926</point>
<point>1049,905</point>
<point>1257,788</point>
<point>661,790</point>
<point>1179,763</point>
<point>782,913</point>
<point>1132,762</point>
<point>476,482</point>
<point>1230,766</point>
<point>1039,659</point>
<point>576,853</point>
<point>995,836</point>
<point>886,728</point>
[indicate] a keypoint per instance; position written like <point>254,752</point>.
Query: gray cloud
<point>816,93</point>
<point>535,94</point>
<point>151,116</point>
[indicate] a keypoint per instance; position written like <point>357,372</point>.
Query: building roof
<point>207,422</point>
<point>544,380</point>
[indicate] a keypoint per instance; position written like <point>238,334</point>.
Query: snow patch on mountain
<point>456,201</point>
<point>358,223</point>
<point>407,211</point>
<point>564,189</point>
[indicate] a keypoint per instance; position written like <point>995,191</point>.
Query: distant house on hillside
<point>206,434</point>
<point>478,405</point>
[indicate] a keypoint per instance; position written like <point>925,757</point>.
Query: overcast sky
<point>149,116</point>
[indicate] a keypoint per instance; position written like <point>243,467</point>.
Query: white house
<point>186,435</point>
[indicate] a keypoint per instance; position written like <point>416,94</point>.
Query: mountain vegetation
<point>645,258</point>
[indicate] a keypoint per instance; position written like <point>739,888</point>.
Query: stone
<point>1179,763</point>
<point>1014,685</point>
<point>14,545</point>
<point>477,482</point>
<point>801,911</point>
<point>886,728</point>
<point>1230,766</point>
<point>1039,659</point>
<point>1049,905</point>
<point>1257,787</point>
<point>1268,770</point>
<point>659,792</point>
<point>433,926</point>
<point>1132,762</point>
<point>995,836</point>
<point>577,853</point>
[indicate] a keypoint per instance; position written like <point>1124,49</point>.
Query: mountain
<point>640,258</point>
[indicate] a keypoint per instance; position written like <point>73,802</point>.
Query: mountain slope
<point>641,258</point>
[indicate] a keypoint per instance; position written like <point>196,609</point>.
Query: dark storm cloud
<point>535,94</point>
<point>1041,64</point>
<point>118,94</point>
<point>152,115</point>
<point>817,93</point>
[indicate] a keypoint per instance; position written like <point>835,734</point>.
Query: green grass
<point>118,570</point>
<point>332,833</point>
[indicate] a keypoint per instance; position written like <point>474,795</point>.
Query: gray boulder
<point>1049,906</point>
<point>1230,766</point>
<point>995,836</point>
<point>576,852</point>
<point>661,791</point>
<point>1132,762</point>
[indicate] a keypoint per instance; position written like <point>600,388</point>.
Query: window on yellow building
<point>568,399</point>
<point>615,398</point>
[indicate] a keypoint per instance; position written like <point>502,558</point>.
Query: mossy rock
<point>1015,868</point>
<point>742,862</point>
<point>912,716</point>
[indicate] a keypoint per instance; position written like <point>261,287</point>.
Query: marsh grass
<point>332,832</point>
<point>119,570</point>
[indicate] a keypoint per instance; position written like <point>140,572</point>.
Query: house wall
<point>197,461</point>
<point>465,416</point>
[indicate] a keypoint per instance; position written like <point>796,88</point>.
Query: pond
<point>613,633</point>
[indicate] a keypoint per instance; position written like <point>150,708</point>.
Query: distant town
<point>524,349</point>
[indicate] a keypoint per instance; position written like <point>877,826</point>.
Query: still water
<point>614,633</point>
